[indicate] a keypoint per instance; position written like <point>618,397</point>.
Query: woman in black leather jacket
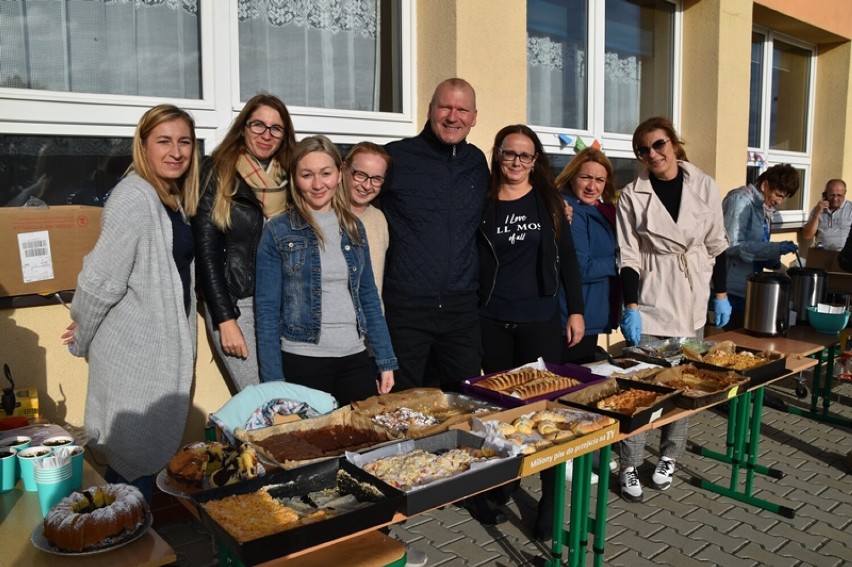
<point>244,183</point>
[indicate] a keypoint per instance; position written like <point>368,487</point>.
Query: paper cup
<point>53,485</point>
<point>18,443</point>
<point>58,441</point>
<point>25,461</point>
<point>8,464</point>
<point>76,453</point>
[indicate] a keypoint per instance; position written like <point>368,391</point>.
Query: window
<point>147,47</point>
<point>329,54</point>
<point>779,130</point>
<point>597,69</point>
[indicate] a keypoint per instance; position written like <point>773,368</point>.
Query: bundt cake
<point>207,464</point>
<point>98,517</point>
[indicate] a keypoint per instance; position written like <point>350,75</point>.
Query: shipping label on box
<point>42,250</point>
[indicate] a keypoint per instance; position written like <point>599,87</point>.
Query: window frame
<point>799,160</point>
<point>616,145</point>
<point>42,112</point>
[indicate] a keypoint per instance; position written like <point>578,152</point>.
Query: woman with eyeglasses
<point>133,312</point>
<point>672,241</point>
<point>244,183</point>
<point>526,255</point>
<point>316,300</point>
<point>364,170</point>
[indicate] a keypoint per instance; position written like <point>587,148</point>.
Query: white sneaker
<point>662,477</point>
<point>569,473</point>
<point>631,488</point>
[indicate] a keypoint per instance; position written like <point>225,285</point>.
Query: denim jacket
<point>288,296</point>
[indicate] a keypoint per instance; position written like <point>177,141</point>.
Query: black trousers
<point>347,378</point>
<point>581,353</point>
<point>437,344</point>
<point>507,345</point>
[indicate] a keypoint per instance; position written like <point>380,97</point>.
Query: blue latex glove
<point>722,310</point>
<point>787,247</point>
<point>631,325</point>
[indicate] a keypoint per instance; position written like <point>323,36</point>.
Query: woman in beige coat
<point>670,233</point>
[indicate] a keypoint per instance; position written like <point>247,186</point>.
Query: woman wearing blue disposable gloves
<point>671,235</point>
<point>748,213</point>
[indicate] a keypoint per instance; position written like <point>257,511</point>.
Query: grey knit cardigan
<point>134,329</point>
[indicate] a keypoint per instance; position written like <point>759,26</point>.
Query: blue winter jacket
<point>288,296</point>
<point>596,245</point>
<point>433,201</point>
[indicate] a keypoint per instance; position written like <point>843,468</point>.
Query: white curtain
<point>622,93</point>
<point>319,53</point>
<point>126,47</point>
<point>556,83</point>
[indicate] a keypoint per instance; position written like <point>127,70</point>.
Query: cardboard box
<point>588,397</point>
<point>42,250</point>
<point>26,403</point>
<point>839,280</point>
<point>559,452</point>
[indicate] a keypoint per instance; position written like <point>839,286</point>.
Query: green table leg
<point>599,523</point>
<point>558,517</point>
<point>821,388</point>
<point>580,487</point>
<point>741,419</point>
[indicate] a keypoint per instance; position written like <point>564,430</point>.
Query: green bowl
<point>827,323</point>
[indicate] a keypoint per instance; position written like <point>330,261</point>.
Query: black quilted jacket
<point>433,202</point>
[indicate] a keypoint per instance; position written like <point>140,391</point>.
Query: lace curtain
<point>622,94</point>
<point>319,53</point>
<point>124,47</point>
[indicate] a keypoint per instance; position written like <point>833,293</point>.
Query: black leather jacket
<point>225,260</point>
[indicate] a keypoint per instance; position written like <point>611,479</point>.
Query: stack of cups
<point>18,443</point>
<point>75,453</point>
<point>26,460</point>
<point>53,480</point>
<point>8,464</point>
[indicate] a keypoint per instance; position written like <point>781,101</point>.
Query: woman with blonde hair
<point>133,311</point>
<point>245,184</point>
<point>316,299</point>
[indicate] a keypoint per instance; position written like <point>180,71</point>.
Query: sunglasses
<point>644,151</point>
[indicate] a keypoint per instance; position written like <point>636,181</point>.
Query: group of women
<point>278,236</point>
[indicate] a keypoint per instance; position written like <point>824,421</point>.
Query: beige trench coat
<point>674,260</point>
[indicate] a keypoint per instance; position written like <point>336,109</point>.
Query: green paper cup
<point>18,443</point>
<point>26,460</point>
<point>8,464</point>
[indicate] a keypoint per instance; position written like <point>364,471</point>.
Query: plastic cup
<point>52,485</point>
<point>18,443</point>
<point>8,464</point>
<point>58,441</point>
<point>25,461</point>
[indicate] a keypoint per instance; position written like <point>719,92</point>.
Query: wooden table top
<point>800,340</point>
<point>20,514</point>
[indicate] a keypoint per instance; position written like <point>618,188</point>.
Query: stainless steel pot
<point>767,304</point>
<point>806,290</point>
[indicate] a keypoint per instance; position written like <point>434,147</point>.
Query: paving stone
<point>707,519</point>
<point>630,558</point>
<point>438,534</point>
<point>796,550</point>
<point>716,555</point>
<point>475,554</point>
<point>770,540</point>
<point>804,536</point>
<point>729,541</point>
<point>677,558</point>
<point>645,547</point>
<point>680,524</point>
<point>673,539</point>
<point>842,549</point>
<point>762,556</point>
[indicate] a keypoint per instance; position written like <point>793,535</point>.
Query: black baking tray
<point>776,367</point>
<point>581,373</point>
<point>586,399</point>
<point>447,490</point>
<point>665,352</point>
<point>288,483</point>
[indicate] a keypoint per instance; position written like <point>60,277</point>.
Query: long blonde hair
<point>340,199</point>
<point>184,192</point>
<point>224,157</point>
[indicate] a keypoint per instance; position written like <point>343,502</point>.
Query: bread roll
<point>523,425</point>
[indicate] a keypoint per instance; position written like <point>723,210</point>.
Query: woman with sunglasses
<point>526,255</point>
<point>671,236</point>
<point>244,185</point>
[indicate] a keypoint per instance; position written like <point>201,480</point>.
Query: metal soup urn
<point>767,304</point>
<point>807,289</point>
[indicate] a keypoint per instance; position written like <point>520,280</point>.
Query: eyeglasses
<point>509,156</point>
<point>375,180</point>
<point>644,151</point>
<point>258,127</point>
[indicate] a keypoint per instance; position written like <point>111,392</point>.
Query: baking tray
<point>586,399</point>
<point>581,373</point>
<point>777,366</point>
<point>430,401</point>
<point>695,402</point>
<point>288,483</point>
<point>666,352</point>
<point>444,491</point>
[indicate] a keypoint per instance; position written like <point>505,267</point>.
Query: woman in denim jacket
<point>316,299</point>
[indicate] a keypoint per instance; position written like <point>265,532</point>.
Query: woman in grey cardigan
<point>133,312</point>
